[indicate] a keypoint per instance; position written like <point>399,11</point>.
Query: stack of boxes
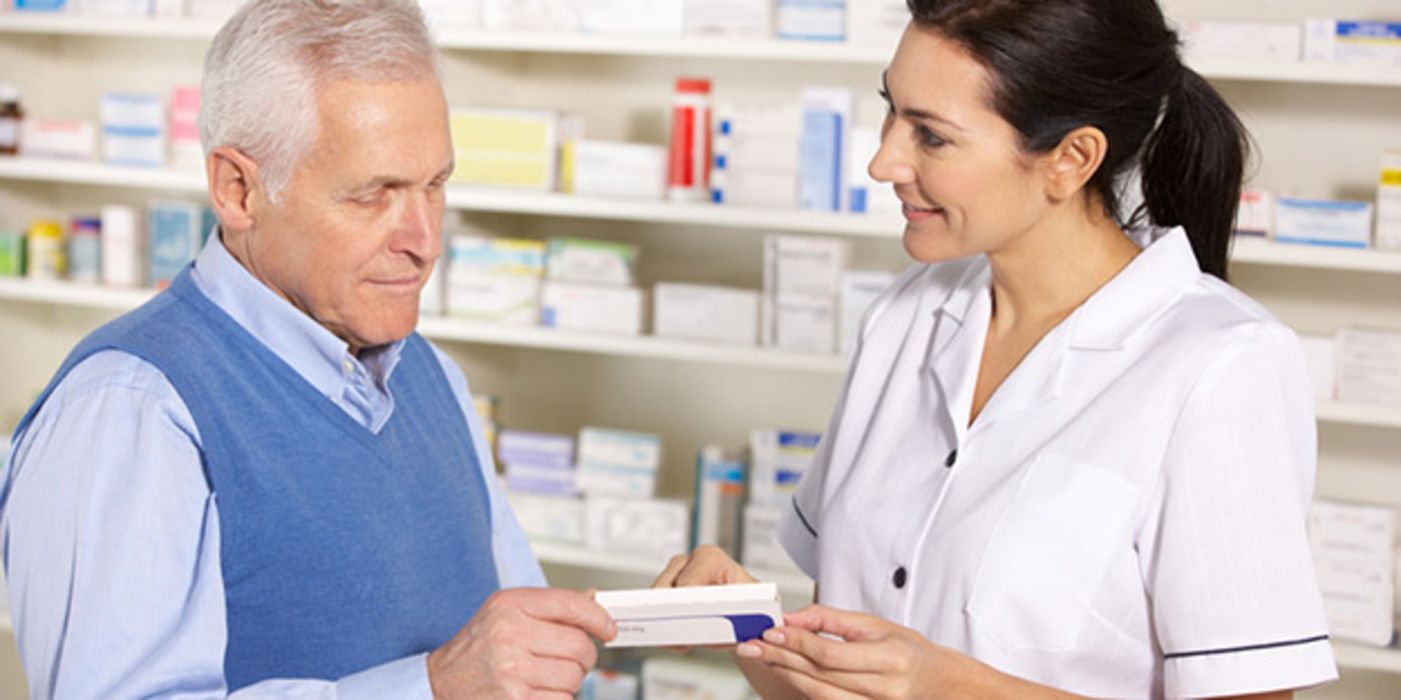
<point>756,157</point>
<point>778,459</point>
<point>590,286</point>
<point>509,147</point>
<point>706,313</point>
<point>1355,555</point>
<point>1331,223</point>
<point>802,282</point>
<point>110,249</point>
<point>617,473</point>
<point>494,279</point>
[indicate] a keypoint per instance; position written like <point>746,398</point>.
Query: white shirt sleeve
<point>1225,552</point>
<point>112,550</point>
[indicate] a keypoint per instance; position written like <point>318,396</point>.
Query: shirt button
<point>953,457</point>
<point>349,368</point>
<point>900,576</point>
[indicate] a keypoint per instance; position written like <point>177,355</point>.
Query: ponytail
<point>1193,165</point>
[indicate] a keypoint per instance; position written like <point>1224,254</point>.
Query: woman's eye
<point>928,138</point>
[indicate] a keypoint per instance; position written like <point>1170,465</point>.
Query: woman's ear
<point>1071,164</point>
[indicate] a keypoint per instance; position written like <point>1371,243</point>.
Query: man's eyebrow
<point>393,181</point>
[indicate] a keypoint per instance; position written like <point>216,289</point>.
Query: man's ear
<point>235,192</point>
<point>1071,164</point>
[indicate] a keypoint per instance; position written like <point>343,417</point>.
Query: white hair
<point>265,68</point>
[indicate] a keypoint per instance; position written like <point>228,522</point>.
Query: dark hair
<point>1059,65</point>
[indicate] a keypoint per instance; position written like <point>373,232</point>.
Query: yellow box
<point>506,147</point>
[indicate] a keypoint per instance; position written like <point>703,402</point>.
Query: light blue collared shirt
<point>112,534</point>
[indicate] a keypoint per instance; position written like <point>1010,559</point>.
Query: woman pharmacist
<point>1069,459</point>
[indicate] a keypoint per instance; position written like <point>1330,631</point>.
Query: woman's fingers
<point>851,626</point>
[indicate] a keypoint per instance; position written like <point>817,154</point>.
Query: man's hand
<point>522,643</point>
<point>707,566</point>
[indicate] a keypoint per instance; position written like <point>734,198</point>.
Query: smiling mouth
<point>910,209</point>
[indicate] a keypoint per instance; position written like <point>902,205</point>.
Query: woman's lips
<point>913,213</point>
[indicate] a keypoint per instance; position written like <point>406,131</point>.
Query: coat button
<point>953,457</point>
<point>900,576</point>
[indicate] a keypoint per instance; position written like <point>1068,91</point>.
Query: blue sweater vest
<point>341,549</point>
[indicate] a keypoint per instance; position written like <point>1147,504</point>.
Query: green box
<point>12,250</point>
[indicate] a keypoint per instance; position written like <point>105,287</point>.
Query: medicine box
<point>747,19</point>
<point>457,14</point>
<point>1388,236</point>
<point>778,459</point>
<point>811,20</point>
<point>537,462</point>
<point>756,188</point>
<point>860,289</point>
<point>530,15</point>
<point>804,324</point>
<point>122,247</point>
<point>133,129</point>
<point>617,462</point>
<point>1320,356</point>
<point>513,299</point>
<point>592,308</point>
<point>497,256</point>
<point>174,235</point>
<point>40,5</point>
<point>706,312</point>
<point>652,527</point>
<point>720,495</point>
<point>506,147</point>
<point>591,262</point>
<point>865,194</point>
<point>762,553</point>
<point>1256,214</point>
<point>1369,366</point>
<point>804,266</point>
<point>1323,222</point>
<point>827,120</point>
<point>1278,41</point>
<point>12,249</point>
<point>692,616</point>
<point>613,169</point>
<point>432,299</point>
<point>114,8</point>
<point>632,17</point>
<point>51,138</point>
<point>523,477</point>
<point>876,22</point>
<point>1354,555</point>
<point>1354,42</point>
<point>550,518</point>
<point>185,149</point>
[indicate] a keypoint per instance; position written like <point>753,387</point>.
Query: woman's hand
<point>707,566</point>
<point>877,659</point>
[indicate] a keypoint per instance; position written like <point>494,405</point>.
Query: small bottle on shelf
<point>11,114</point>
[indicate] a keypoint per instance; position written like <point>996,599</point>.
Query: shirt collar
<point>315,353</point>
<point>1152,280</point>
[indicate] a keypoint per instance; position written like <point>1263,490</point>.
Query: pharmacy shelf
<point>507,201</point>
<point>1365,658</point>
<point>792,585</point>
<point>1262,252</point>
<point>1376,416</point>
<point>448,37</point>
<point>477,332</point>
<point>648,347</point>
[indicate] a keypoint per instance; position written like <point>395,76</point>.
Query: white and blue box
<point>827,114</point>
<point>1323,222</point>
<point>133,130</point>
<point>811,20</point>
<point>174,235</point>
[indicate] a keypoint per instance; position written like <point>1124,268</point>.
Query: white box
<point>1278,41</point>
<point>692,616</point>
<point>490,297</point>
<point>705,312</point>
<point>860,288</point>
<point>1388,235</point>
<point>456,14</point>
<point>1375,43</point>
<point>1354,554</point>
<point>762,153</point>
<point>547,517</point>
<point>805,324</point>
<point>865,194</point>
<point>1323,222</point>
<point>804,266</point>
<point>876,22</point>
<point>50,138</point>
<point>595,308</point>
<point>632,17</point>
<point>218,11</point>
<point>432,298</point>
<point>748,19</point>
<point>766,190</point>
<point>122,247</point>
<point>762,553</point>
<point>617,462</point>
<point>777,461</point>
<point>1322,364</point>
<point>1369,366</point>
<point>645,526</point>
<point>811,20</point>
<point>114,8</point>
<point>591,262</point>
<point>530,15</point>
<point>1256,214</point>
<point>133,129</point>
<point>614,169</point>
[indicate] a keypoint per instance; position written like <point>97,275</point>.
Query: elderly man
<point>263,481</point>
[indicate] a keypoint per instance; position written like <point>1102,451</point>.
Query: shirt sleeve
<point>516,565</point>
<point>1225,550</point>
<point>112,551</point>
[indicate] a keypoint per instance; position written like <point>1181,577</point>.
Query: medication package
<point>692,616</point>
